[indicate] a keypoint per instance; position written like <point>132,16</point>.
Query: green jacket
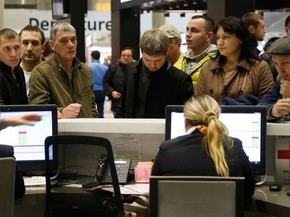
<point>50,84</point>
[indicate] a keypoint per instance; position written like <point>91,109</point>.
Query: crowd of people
<point>230,71</point>
<point>222,61</point>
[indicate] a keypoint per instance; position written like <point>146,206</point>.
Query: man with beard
<point>32,41</point>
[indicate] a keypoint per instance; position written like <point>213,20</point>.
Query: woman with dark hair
<point>235,72</point>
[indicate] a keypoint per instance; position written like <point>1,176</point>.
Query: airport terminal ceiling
<point>193,4</point>
<point>283,5</point>
<point>97,5</point>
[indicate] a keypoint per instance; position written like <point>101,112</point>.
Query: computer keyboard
<point>34,181</point>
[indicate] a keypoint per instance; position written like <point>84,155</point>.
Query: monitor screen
<point>248,123</point>
<point>28,141</point>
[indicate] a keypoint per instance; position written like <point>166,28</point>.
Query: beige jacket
<point>245,80</point>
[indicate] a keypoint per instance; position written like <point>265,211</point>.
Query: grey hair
<point>8,33</point>
<point>61,27</point>
<point>154,42</point>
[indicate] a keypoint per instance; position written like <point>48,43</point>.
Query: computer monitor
<point>28,141</point>
<point>196,196</point>
<point>248,123</point>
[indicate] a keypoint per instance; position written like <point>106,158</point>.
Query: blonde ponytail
<point>204,110</point>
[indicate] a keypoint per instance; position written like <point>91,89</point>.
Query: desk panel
<point>34,200</point>
<point>145,135</point>
<point>271,203</point>
<point>138,139</point>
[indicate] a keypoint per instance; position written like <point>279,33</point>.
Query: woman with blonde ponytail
<point>206,149</point>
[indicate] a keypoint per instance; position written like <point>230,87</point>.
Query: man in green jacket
<point>199,34</point>
<point>63,79</point>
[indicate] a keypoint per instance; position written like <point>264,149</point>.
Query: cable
<point>55,176</point>
<point>263,181</point>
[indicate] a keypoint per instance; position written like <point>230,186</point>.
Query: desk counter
<point>110,125</point>
<point>273,203</point>
<point>125,125</point>
<point>148,134</point>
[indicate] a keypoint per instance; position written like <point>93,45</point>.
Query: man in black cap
<point>277,99</point>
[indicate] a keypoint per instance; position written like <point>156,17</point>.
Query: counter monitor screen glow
<point>248,123</point>
<point>28,141</point>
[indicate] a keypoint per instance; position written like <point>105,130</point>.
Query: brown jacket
<point>245,80</point>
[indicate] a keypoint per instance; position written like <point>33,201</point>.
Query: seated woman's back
<point>206,149</point>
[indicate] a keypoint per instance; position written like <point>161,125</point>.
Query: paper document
<point>131,189</point>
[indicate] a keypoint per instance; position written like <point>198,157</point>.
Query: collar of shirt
<point>199,57</point>
<point>190,130</point>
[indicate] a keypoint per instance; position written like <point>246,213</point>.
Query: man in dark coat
<point>152,83</point>
<point>12,81</point>
<point>114,78</point>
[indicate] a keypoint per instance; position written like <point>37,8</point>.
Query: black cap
<point>280,47</point>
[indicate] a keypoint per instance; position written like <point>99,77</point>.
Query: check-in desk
<point>145,135</point>
<point>139,139</point>
<point>272,203</point>
<point>275,203</point>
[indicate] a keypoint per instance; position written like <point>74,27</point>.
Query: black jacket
<point>12,91</point>
<point>8,151</point>
<point>254,43</point>
<point>167,86</point>
<point>113,81</point>
<point>185,156</point>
